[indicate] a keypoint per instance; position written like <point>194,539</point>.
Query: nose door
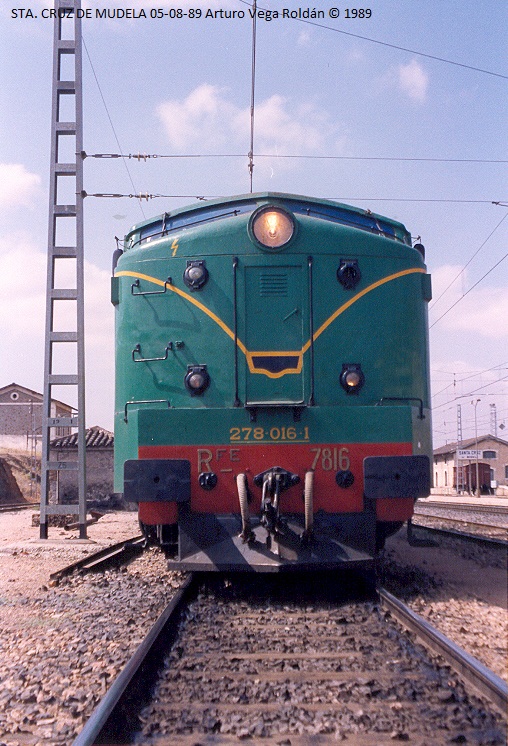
<point>275,318</point>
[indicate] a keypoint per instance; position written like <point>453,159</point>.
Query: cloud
<point>22,323</point>
<point>483,311</point>
<point>413,80</point>
<point>18,187</point>
<point>202,118</point>
<point>207,119</point>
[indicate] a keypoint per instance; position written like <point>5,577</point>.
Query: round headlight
<point>272,227</point>
<point>195,275</point>
<point>352,378</point>
<point>197,379</point>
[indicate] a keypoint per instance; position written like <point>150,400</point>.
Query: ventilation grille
<point>273,284</point>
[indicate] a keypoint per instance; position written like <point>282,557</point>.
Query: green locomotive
<point>272,388</point>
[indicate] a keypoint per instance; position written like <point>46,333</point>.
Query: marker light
<point>272,227</point>
<point>195,275</point>
<point>348,273</point>
<point>352,378</point>
<point>197,379</point>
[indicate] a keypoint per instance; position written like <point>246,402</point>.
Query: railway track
<point>118,553</point>
<point>484,523</point>
<point>458,533</point>
<point>8,507</point>
<point>497,510</point>
<point>247,660</point>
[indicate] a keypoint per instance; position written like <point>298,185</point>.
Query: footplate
<point>210,542</point>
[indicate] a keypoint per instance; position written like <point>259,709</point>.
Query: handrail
<point>144,401</point>
<point>136,284</point>
<point>137,349</point>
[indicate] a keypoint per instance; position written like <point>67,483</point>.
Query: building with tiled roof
<point>21,417</point>
<point>99,466</point>
<point>492,455</point>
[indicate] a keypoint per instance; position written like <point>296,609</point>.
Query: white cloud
<point>207,119</point>
<point>18,187</point>
<point>413,80</point>
<point>202,118</point>
<point>304,38</point>
<point>483,311</point>
<point>22,322</point>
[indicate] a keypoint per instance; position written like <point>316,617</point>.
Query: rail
<point>6,508</point>
<point>120,552</point>
<point>455,533</point>
<point>461,507</point>
<point>469,668</point>
<point>134,681</point>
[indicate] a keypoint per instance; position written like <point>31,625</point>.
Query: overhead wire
<point>468,291</point>
<point>469,262</point>
<point>470,393</point>
<point>109,117</point>
<point>472,375</point>
<point>152,156</point>
<point>148,196</point>
<point>396,46</point>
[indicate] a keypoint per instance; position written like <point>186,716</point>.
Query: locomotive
<point>272,388</point>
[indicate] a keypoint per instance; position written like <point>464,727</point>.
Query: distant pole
<point>252,94</point>
<point>475,404</point>
<point>493,420</point>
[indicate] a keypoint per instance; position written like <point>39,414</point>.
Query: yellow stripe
<point>300,354</point>
<point>356,297</point>
<point>192,300</point>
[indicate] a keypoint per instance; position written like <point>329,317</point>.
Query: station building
<point>492,461</point>
<point>21,418</point>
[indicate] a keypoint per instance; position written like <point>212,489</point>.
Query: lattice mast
<point>65,242</point>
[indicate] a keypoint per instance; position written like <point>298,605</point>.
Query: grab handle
<point>137,350</point>
<point>136,284</point>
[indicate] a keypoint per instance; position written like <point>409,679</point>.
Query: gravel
<point>62,646</point>
<point>459,588</point>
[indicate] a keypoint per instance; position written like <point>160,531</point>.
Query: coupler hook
<point>269,506</point>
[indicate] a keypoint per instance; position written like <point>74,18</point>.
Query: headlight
<point>352,378</point>
<point>197,379</point>
<point>195,275</point>
<point>272,227</point>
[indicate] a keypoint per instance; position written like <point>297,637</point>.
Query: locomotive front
<point>272,399</point>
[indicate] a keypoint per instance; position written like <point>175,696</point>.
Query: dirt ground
<point>26,561</point>
<point>464,576</point>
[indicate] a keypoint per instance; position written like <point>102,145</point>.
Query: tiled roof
<point>96,437</point>
<point>465,444</point>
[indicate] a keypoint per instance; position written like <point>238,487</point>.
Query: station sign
<point>465,455</point>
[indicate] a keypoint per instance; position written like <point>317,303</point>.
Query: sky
<point>402,113</point>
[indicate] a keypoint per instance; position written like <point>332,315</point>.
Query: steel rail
<point>18,506</point>
<point>462,521</point>
<point>468,667</point>
<point>456,534</point>
<point>461,507</point>
<point>111,721</point>
<point>123,550</point>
